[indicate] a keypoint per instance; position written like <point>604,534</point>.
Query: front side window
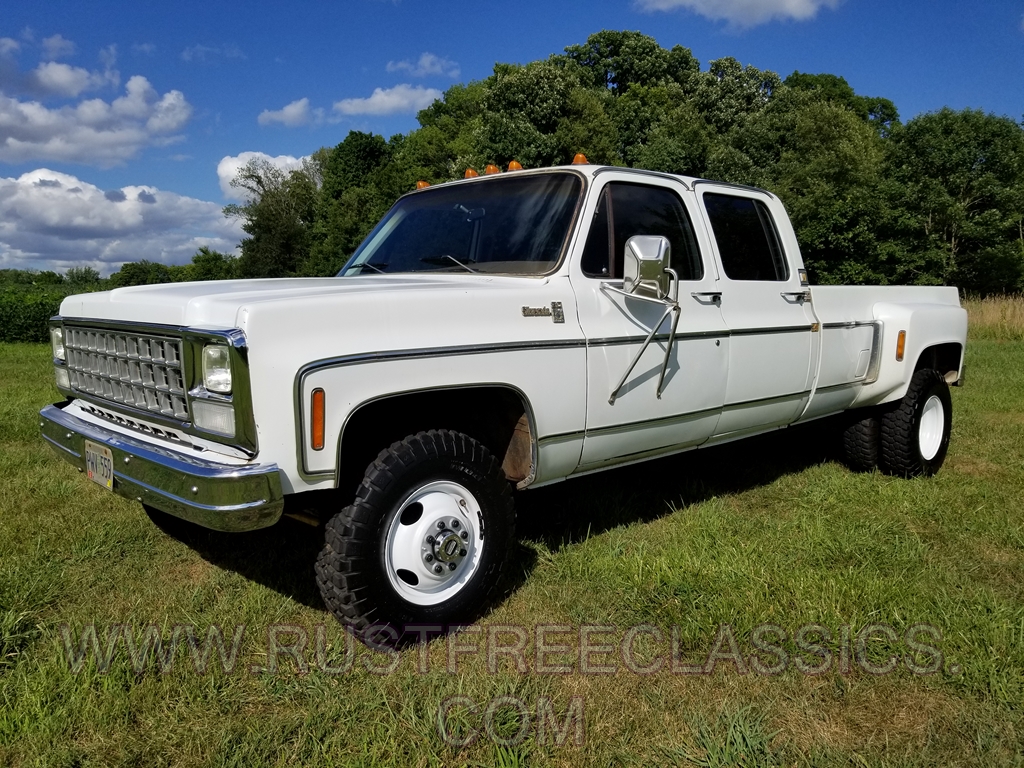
<point>625,210</point>
<point>505,225</point>
<point>747,241</point>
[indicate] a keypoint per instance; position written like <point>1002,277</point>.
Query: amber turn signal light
<point>317,420</point>
<point>422,184</point>
<point>580,159</point>
<point>901,343</point>
<point>515,166</point>
<point>470,173</point>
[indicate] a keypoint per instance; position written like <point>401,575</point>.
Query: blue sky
<point>120,123</point>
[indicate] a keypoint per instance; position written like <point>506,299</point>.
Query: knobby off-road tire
<point>915,434</point>
<point>426,539</point>
<point>861,440</point>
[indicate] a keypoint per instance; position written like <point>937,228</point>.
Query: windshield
<point>506,225</point>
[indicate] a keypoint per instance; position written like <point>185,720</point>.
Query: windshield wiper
<point>437,259</point>
<point>374,267</point>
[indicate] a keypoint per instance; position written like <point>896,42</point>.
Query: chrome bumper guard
<point>223,497</point>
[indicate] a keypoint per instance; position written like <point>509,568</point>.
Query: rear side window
<point>625,210</point>
<point>747,240</point>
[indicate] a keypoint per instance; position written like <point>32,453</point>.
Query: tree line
<point>938,199</point>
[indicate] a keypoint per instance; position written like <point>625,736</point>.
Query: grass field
<point>769,531</point>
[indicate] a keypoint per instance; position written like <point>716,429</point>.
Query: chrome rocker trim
<point>224,497</point>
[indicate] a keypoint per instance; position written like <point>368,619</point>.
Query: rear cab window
<point>748,242</point>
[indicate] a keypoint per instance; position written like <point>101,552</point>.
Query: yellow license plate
<point>99,464</point>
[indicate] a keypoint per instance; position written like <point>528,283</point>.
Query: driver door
<point>637,422</point>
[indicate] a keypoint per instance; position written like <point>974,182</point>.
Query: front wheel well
<point>496,416</point>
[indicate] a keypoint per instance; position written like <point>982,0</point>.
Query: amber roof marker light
<point>471,174</point>
<point>515,166</point>
<point>422,184</point>
<point>580,159</point>
<point>491,169</point>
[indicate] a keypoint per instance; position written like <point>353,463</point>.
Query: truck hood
<point>225,304</point>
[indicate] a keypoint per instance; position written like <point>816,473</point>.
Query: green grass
<point>769,530</point>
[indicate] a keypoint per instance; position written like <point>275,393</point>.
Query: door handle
<point>715,297</point>
<point>796,295</point>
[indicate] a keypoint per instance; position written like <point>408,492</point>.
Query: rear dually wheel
<point>915,434</point>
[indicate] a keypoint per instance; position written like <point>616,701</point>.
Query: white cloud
<point>9,46</point>
<point>65,80</point>
<point>108,55</point>
<point>52,220</point>
<point>390,101</point>
<point>145,48</point>
<point>745,13</point>
<point>295,114</point>
<point>428,64</point>
<point>57,46</point>
<point>92,132</point>
<point>205,53</point>
<point>229,166</point>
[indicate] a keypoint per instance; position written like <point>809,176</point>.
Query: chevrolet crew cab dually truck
<point>506,331</point>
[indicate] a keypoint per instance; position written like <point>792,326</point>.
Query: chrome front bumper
<point>224,497</point>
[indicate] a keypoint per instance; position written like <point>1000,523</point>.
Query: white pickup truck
<point>500,332</point>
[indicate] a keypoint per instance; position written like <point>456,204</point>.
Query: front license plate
<point>99,464</point>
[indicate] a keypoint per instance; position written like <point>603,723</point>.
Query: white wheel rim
<point>929,433</point>
<point>416,548</point>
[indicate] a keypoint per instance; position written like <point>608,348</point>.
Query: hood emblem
<point>554,312</point>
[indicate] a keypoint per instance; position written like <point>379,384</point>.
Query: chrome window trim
<point>644,172</point>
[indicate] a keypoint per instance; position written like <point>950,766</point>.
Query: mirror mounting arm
<point>671,304</point>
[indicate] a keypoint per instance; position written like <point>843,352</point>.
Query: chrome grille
<point>139,370</point>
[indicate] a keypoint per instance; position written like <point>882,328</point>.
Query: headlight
<point>57,341</point>
<point>217,369</point>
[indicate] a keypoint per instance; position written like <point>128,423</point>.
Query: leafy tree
<point>82,276</point>
<point>540,114</point>
<point>617,60</point>
<point>276,215</point>
<point>140,273</point>
<point>728,94</point>
<point>208,264</point>
<point>959,177</point>
<point>879,112</point>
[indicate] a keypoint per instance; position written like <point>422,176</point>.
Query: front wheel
<point>426,539</point>
<point>915,434</point>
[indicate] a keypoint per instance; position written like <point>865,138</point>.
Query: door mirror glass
<point>643,269</point>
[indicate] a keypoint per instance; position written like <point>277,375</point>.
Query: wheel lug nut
<point>440,525</point>
<point>451,566</point>
<point>430,539</point>
<point>438,569</point>
<point>429,558</point>
<point>455,524</point>
<point>464,534</point>
<point>462,553</point>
